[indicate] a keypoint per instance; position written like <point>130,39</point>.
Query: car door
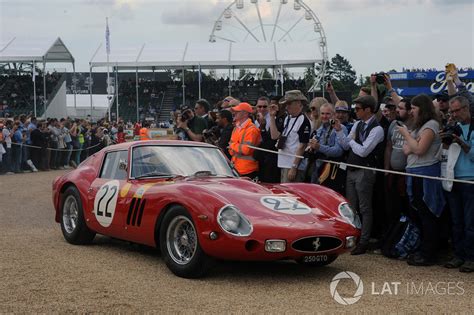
<point>105,194</point>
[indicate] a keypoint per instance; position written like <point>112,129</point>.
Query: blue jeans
<point>461,203</point>
<point>67,154</point>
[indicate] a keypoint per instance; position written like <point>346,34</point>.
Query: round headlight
<point>349,215</point>
<point>232,221</point>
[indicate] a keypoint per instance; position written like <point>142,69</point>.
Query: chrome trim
<point>346,219</point>
<point>242,216</point>
<point>320,251</point>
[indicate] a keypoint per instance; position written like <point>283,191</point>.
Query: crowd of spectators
<point>17,94</point>
<point>29,144</point>
<point>419,136</point>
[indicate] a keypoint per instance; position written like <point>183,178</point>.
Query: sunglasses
<point>358,108</point>
<point>313,109</point>
<point>262,106</point>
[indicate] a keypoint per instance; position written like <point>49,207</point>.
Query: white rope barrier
<point>51,149</point>
<point>345,165</point>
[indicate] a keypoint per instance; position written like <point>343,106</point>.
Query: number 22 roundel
<point>105,202</point>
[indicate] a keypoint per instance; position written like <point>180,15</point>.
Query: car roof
<point>127,145</point>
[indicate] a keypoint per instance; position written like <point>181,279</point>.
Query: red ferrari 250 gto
<point>185,198</point>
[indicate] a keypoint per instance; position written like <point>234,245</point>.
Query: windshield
<point>162,161</point>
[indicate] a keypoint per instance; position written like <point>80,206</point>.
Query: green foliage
<point>341,70</point>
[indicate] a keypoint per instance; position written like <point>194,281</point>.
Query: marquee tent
<point>208,56</point>
<point>36,51</point>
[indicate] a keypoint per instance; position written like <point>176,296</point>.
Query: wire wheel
<point>181,240</point>
<point>70,214</point>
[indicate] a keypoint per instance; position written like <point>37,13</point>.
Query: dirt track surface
<point>40,272</point>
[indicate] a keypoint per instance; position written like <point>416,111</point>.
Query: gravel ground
<point>41,273</point>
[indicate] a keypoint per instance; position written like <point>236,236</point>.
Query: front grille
<point>316,244</point>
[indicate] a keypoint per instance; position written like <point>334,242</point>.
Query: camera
<point>185,115</point>
<point>449,131</point>
<point>211,135</point>
<point>280,145</point>
<point>332,122</point>
<point>380,77</point>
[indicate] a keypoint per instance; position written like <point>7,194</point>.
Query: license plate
<point>315,258</point>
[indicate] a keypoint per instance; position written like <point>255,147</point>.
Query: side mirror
<point>123,165</point>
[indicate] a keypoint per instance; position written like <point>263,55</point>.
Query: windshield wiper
<point>156,174</point>
<point>209,173</point>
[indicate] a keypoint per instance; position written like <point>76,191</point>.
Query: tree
<point>341,70</point>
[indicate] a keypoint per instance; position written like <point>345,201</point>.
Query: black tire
<point>77,233</point>
<point>330,259</point>
<point>197,264</point>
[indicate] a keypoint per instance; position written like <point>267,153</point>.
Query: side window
<point>111,167</point>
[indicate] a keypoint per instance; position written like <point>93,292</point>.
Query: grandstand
<point>19,75</point>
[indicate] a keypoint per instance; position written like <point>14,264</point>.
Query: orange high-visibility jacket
<point>144,134</point>
<point>242,155</point>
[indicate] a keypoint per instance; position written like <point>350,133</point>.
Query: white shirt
<point>375,136</point>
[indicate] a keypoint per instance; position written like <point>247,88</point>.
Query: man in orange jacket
<point>143,133</point>
<point>245,133</point>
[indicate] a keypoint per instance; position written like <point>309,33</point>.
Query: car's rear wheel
<point>179,245</point>
<point>73,225</point>
<point>316,263</point>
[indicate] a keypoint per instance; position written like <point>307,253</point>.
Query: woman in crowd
<point>426,196</point>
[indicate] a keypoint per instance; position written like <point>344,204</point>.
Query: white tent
<point>210,56</point>
<point>35,51</point>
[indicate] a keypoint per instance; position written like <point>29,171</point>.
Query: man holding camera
<point>245,133</point>
<point>364,143</point>
<point>192,125</point>
<point>461,197</point>
<point>293,135</point>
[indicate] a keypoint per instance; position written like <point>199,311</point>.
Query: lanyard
<point>288,122</point>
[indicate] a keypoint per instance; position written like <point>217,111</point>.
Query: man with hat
<point>293,135</point>
<point>343,114</point>
<point>365,145</point>
<point>245,133</point>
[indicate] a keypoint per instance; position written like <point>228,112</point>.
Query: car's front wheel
<point>179,245</point>
<point>308,261</point>
<point>73,225</point>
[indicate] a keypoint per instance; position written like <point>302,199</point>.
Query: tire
<point>179,245</point>
<point>317,263</point>
<point>73,225</point>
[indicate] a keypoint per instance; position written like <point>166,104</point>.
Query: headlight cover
<point>232,221</point>
<point>349,215</point>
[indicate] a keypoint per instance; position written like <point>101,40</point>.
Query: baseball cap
<point>341,108</point>
<point>242,107</point>
<point>293,95</point>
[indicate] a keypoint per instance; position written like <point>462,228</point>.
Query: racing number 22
<point>284,204</point>
<point>100,211</point>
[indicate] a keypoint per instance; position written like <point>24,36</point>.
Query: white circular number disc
<point>105,202</point>
<point>288,205</point>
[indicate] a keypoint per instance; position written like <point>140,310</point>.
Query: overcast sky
<point>374,35</point>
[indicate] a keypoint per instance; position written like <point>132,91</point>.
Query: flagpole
<point>107,47</point>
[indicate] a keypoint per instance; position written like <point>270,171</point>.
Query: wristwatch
<point>187,129</point>
<point>391,91</point>
<point>294,165</point>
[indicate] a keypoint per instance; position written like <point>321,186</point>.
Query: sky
<point>374,35</point>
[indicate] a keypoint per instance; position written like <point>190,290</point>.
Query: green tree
<point>341,70</point>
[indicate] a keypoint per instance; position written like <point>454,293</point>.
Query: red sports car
<point>186,199</point>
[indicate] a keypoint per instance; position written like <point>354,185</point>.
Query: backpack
<point>402,239</point>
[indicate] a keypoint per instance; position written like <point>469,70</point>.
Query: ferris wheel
<point>271,21</point>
